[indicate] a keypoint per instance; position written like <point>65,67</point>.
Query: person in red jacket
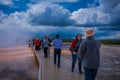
<point>74,49</point>
<point>37,44</point>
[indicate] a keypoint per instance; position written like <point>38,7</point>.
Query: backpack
<point>37,43</point>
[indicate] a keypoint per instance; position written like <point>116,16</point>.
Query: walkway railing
<point>38,63</point>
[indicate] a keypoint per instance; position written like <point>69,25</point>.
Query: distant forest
<point>107,42</point>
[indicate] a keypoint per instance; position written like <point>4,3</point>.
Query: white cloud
<point>49,14</point>
<point>108,13</point>
<point>2,17</point>
<point>6,2</point>
<point>91,16</point>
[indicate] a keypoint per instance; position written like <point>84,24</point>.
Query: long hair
<point>77,36</point>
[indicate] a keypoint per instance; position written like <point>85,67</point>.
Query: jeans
<point>74,59</point>
<point>90,74</point>
<point>45,52</point>
<point>57,53</point>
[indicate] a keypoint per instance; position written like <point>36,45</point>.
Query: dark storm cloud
<point>109,28</point>
<point>113,8</point>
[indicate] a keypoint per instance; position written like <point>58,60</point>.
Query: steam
<point>14,30</point>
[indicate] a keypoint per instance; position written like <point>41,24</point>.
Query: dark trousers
<point>37,48</point>
<point>57,54</point>
<point>90,74</point>
<point>74,59</point>
<point>45,52</point>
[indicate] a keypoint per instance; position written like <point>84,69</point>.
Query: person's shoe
<point>54,63</point>
<point>80,72</point>
<point>72,70</point>
<point>58,66</point>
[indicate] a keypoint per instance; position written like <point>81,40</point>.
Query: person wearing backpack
<point>74,48</point>
<point>37,44</point>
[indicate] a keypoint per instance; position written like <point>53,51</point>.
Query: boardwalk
<point>17,63</point>
<point>109,70</point>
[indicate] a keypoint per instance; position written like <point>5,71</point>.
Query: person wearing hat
<point>89,53</point>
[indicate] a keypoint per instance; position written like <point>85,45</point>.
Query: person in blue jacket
<point>57,45</point>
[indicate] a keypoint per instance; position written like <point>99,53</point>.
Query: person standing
<point>74,48</point>
<point>37,44</point>
<point>89,52</point>
<point>49,45</point>
<point>45,46</point>
<point>57,44</point>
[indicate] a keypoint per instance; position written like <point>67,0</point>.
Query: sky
<point>21,20</point>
